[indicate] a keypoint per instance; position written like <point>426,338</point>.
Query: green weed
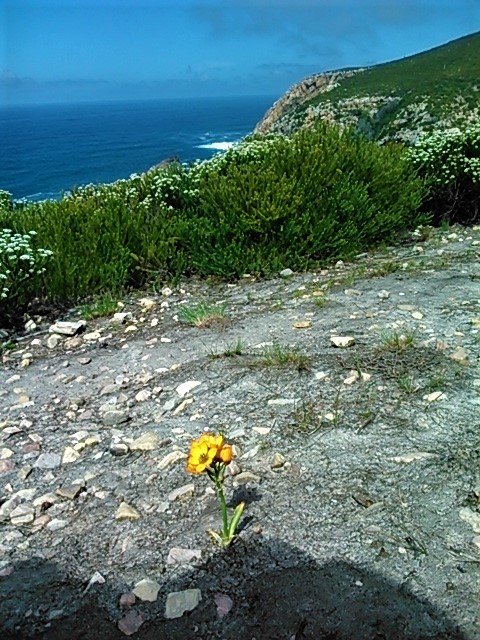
<point>203,314</point>
<point>278,355</point>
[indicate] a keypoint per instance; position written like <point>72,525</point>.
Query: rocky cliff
<point>398,100</point>
<point>278,117</point>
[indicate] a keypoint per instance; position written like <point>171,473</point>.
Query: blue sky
<point>69,50</point>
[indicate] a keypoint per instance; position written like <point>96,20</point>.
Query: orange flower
<point>225,454</point>
<point>200,457</point>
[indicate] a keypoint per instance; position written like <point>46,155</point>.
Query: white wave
<point>218,146</point>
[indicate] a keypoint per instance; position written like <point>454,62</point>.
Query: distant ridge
<point>398,100</point>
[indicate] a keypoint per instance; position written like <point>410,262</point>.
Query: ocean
<point>48,149</point>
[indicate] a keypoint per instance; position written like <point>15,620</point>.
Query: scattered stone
<point>84,360</point>
<point>171,458</point>
<point>245,477</point>
<point>383,294</point>
<point>146,442</point>
<point>53,341</point>
<point>263,431</point>
<point>68,328</point>
<point>224,604</point>
<point>113,417</point>
<point>278,461</point>
<point>73,343</point>
<point>415,455</point>
<point>70,492</point>
<point>352,292</point>
<point>127,599</point>
<point>166,291</point>
<point>146,303</point>
<point>302,324</point>
<point>48,461</point>
<point>186,387</point>
<point>121,317</point>
<point>146,590</point>
<point>23,514</point>
<point>97,578</point>
<point>179,602</point>
<point>30,326</point>
<point>286,273</point>
<point>119,449</point>
<point>471,517</point>
<point>56,524</point>
<point>431,397</point>
<point>460,356</point>
<point>143,395</point>
<point>283,402</point>
<point>321,375</point>
<point>186,491</point>
<point>177,555</point>
<point>70,455</point>
<point>93,336</point>
<point>5,453</point>
<point>182,406</point>
<point>417,315</point>
<point>342,342</point>
<point>126,512</point>
<point>130,623</point>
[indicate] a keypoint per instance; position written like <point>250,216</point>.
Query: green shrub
<point>21,265</point>
<point>266,204</point>
<point>321,195</point>
<point>450,161</point>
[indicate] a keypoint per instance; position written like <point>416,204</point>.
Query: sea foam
<point>218,146</point>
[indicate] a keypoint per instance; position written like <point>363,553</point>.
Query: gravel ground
<point>359,464</point>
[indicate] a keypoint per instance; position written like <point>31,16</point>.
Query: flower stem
<point>223,506</point>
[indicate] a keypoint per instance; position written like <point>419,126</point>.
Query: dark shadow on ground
<point>278,592</point>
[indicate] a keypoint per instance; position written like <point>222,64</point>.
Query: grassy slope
<point>439,75</point>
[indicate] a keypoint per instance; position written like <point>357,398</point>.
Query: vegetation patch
<point>203,315</point>
<point>262,206</point>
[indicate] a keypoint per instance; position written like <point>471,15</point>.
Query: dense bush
<point>21,264</point>
<point>321,195</point>
<point>450,161</point>
<point>266,204</point>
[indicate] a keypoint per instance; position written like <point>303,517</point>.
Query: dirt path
<point>367,525</point>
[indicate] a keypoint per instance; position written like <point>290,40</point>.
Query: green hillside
<point>436,88</point>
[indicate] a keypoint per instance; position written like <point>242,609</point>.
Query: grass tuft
<point>203,314</point>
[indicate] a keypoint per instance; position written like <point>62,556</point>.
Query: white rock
<point>166,291</point>
<point>414,455</point>
<point>68,328</point>
<point>470,517</point>
<point>177,555</point>
<point>53,341</point>
<point>431,397</point>
<point>121,317</point>
<point>179,602</point>
<point>143,395</point>
<point>23,514</point>
<point>146,442</point>
<point>70,455</point>
<point>146,303</point>
<point>146,590</point>
<point>342,341</point>
<point>126,512</point>
<point>171,458</point>
<point>92,336</point>
<point>283,402</point>
<point>186,387</point>
<point>186,491</point>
